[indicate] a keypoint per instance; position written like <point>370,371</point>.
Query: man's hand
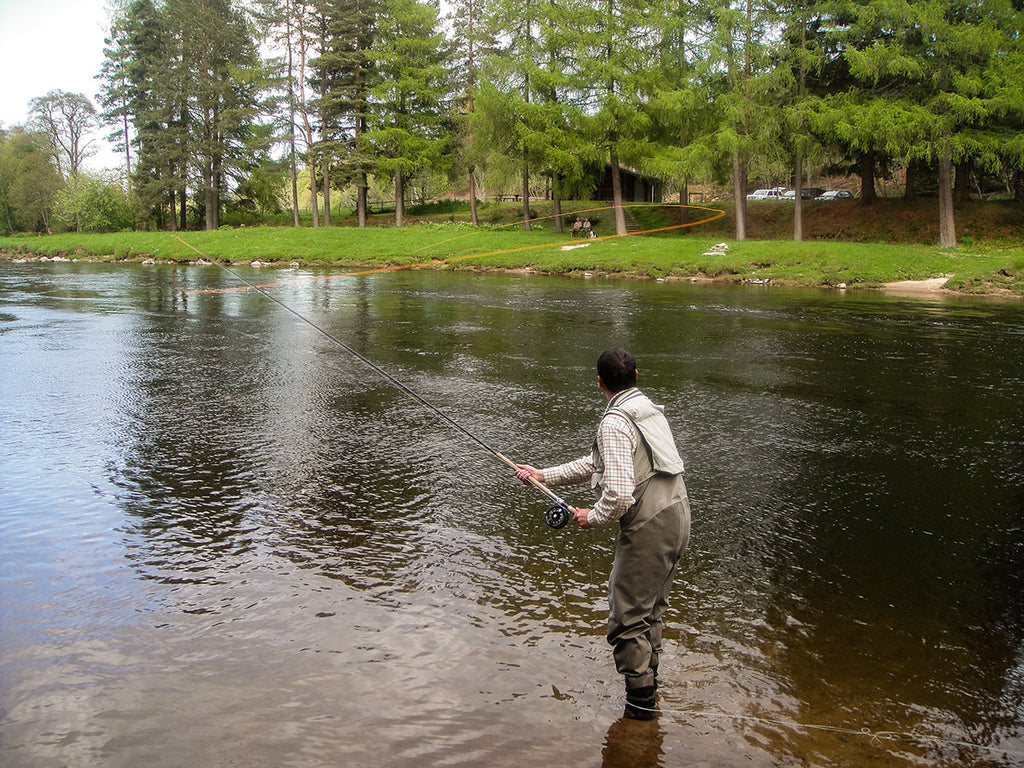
<point>526,473</point>
<point>582,517</point>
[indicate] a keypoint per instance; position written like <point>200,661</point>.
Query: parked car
<point>766,194</point>
<point>835,194</point>
<point>806,193</point>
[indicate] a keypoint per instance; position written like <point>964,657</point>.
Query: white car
<point>766,194</point>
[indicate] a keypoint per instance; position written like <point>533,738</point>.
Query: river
<point>228,541</point>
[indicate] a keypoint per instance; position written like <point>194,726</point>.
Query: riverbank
<point>993,268</point>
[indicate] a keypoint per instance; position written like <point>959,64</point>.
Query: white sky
<point>50,45</point>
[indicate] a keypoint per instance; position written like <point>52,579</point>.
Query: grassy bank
<point>989,267</point>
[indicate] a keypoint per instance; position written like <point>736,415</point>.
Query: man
<point>637,474</point>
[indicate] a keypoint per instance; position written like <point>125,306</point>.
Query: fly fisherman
<point>637,474</point>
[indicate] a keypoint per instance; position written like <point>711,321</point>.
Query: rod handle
<point>536,483</point>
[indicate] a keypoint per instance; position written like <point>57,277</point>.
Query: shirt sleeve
<point>571,472</point>
<point>616,440</point>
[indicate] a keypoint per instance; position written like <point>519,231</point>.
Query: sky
<point>50,45</point>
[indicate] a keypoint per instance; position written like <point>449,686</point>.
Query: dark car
<point>835,194</point>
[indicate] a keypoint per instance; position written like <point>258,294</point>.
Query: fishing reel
<point>557,515</point>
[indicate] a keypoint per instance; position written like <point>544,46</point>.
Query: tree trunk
<point>526,194</point>
<point>361,198</point>
<point>127,153</point>
<point>473,217</point>
<point>174,210</point>
<point>183,208</point>
<point>620,211</point>
<point>798,200</point>
<point>313,188</point>
<point>556,202</point>
<point>326,174</point>
<point>947,224</point>
<point>211,209</point>
<point>399,198</point>
<point>739,189</point>
<point>295,183</point>
<point>292,162</point>
<point>867,178</point>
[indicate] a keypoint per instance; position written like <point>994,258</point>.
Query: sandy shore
<point>933,285</point>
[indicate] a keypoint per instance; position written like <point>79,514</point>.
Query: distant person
<point>587,232</point>
<point>637,473</point>
<point>576,227</point>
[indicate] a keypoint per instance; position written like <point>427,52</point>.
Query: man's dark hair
<point>617,369</point>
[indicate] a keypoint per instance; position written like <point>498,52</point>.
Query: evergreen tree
<point>343,77</point>
<point>506,120</point>
<point>408,101</point>
<point>939,82</point>
<point>187,74</point>
<point>738,58</point>
<point>801,59</point>
<point>471,40</point>
<point>616,54</point>
<point>224,79</point>
<point>115,90</point>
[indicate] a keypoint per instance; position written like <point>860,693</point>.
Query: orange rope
<point>435,262</point>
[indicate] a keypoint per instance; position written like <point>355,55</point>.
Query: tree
<point>143,85</point>
<point>343,76</point>
<point>616,54</point>
<point>738,58</point>
<point>93,202</point>
<point>943,79</point>
<point>192,90</point>
<point>115,90</point>
<point>470,40</point>
<point>408,101</point>
<point>29,181</point>
<point>224,78</point>
<point>66,119</point>
<point>277,22</point>
<point>801,59</point>
<point>507,89</point>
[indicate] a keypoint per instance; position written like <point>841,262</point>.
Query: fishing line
<point>557,515</point>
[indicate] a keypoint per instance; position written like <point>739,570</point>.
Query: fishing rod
<point>557,515</point>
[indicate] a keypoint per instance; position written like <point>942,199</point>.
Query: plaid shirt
<point>617,441</point>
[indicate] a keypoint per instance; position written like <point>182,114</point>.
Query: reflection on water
<point>227,541</point>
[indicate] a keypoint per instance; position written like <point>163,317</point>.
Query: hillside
<point>886,221</point>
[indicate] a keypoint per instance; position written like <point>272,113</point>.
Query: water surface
<point>227,541</point>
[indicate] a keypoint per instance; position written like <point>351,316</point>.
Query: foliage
<point>93,203</point>
<point>540,97</point>
<point>408,100</point>
<point>66,119</point>
<point>29,181</point>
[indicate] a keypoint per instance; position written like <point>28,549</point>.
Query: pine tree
<point>408,101</point>
<point>343,77</point>
<point>471,40</point>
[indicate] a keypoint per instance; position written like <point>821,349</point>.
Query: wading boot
<point>640,704</point>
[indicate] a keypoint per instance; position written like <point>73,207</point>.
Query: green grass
<point>977,268</point>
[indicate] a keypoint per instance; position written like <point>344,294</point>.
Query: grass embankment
<point>982,266</point>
